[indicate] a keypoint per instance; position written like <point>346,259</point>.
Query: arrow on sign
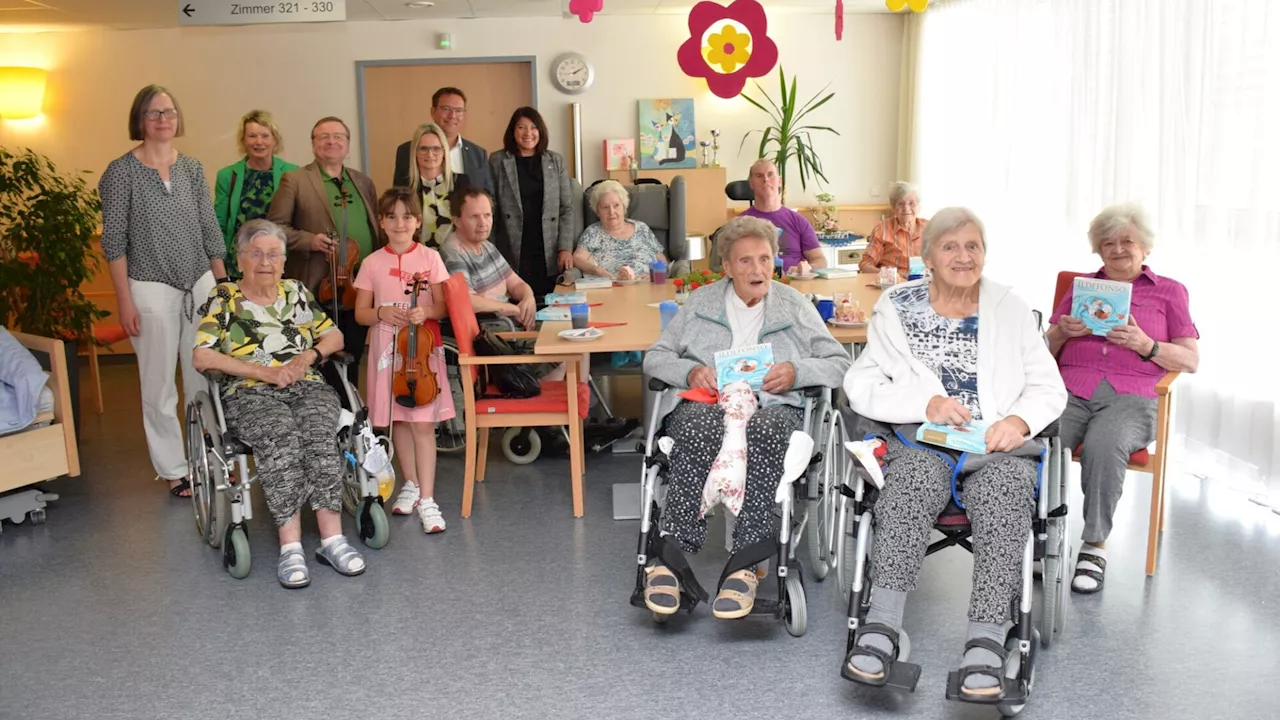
<point>188,10</point>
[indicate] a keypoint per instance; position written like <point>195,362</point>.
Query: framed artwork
<point>618,154</point>
<point>667,138</point>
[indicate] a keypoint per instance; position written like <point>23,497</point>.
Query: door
<point>397,99</point>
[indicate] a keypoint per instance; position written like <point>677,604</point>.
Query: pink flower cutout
<point>839,19</point>
<point>585,9</point>
<point>727,45</point>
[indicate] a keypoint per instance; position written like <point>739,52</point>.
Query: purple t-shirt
<point>797,236</point>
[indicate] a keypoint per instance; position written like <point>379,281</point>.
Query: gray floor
<point>114,609</point>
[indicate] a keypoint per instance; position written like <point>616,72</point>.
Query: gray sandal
<point>290,563</point>
<point>341,556</point>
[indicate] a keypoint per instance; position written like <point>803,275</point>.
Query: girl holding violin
<point>399,294</point>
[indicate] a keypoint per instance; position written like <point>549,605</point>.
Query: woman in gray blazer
<point>534,227</point>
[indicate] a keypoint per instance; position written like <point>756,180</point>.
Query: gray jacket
<point>701,329</point>
<point>557,209</point>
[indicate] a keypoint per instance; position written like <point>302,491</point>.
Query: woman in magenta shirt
<point>1112,380</point>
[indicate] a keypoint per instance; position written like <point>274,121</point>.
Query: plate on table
<point>839,324</point>
<point>582,335</point>
<point>810,276</point>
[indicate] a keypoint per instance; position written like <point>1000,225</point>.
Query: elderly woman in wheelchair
<point>746,310</point>
<point>957,350</point>
<point>266,336</point>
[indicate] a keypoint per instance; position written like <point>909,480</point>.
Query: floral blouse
<point>264,335</point>
<point>612,253</point>
<point>437,220</point>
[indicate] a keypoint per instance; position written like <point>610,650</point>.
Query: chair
<point>1153,460</point>
<point>555,406</point>
<point>739,191</point>
<point>108,335</point>
<point>659,206</point>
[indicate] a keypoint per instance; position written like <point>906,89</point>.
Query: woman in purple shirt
<point>1112,379</point>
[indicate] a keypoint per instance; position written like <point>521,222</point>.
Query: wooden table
<point>630,304</point>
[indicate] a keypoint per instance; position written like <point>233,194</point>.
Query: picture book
<point>749,364</point>
<point>553,313</point>
<point>619,153</point>
<point>592,282</point>
<point>1101,304</point>
<point>572,298</point>
<point>971,438</point>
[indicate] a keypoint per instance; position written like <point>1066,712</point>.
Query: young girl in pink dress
<point>382,301</point>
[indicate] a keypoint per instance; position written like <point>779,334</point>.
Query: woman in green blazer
<point>244,189</point>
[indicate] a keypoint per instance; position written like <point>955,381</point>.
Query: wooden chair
<point>35,455</point>
<point>105,335</point>
<point>1153,460</point>
<point>554,407</point>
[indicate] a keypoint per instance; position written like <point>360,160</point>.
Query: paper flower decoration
<point>900,5</point>
<point>727,45</point>
<point>585,9</point>
<point>839,19</point>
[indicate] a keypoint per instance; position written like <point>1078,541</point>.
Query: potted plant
<point>787,137</point>
<point>48,222</point>
<point>825,214</point>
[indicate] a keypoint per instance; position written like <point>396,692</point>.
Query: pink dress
<point>388,275</point>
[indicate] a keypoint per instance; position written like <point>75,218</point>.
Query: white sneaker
<point>429,514</point>
<point>407,500</point>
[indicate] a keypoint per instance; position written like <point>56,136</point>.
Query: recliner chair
<point>661,207</point>
<point>741,191</point>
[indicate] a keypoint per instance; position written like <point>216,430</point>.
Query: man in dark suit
<point>448,110</point>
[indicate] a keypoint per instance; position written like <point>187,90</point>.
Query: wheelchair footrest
<point>1012,690</point>
<point>902,676</point>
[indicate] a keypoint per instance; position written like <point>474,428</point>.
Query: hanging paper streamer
<point>585,9</point>
<point>900,5</point>
<point>727,45</point>
<point>839,19</point>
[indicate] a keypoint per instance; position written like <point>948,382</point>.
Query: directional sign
<point>254,12</point>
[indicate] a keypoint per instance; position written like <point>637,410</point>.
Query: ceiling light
<point>420,4</point>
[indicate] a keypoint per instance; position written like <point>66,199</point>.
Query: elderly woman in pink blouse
<point>1112,379</point>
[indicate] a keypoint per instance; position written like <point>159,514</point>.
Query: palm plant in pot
<point>48,222</point>
<point>787,137</point>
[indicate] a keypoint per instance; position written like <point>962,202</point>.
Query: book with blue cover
<point>749,364</point>
<point>1101,304</point>
<point>553,313</point>
<point>570,298</point>
<point>971,438</point>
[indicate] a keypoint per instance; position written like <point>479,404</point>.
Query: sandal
<point>1095,575</point>
<point>737,596</point>
<point>290,563</point>
<point>661,590</point>
<point>182,489</point>
<point>991,671</point>
<point>886,658</point>
<point>341,557</point>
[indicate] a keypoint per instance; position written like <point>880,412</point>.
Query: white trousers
<point>169,321</point>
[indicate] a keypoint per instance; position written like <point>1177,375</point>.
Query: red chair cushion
<point>1066,280</point>
<point>1139,458</point>
<point>110,333</point>
<point>554,398</point>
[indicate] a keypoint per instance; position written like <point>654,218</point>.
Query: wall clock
<point>572,73</point>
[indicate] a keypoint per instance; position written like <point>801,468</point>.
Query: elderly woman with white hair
<point>898,238</point>
<point>616,247</point>
<point>267,335</point>
<point>955,349</point>
<point>1112,380</point>
<point>747,308</point>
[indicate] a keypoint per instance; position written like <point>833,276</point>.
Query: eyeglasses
<point>430,150</point>
<point>326,137</point>
<point>168,114</point>
<point>451,110</point>
<point>258,256</point>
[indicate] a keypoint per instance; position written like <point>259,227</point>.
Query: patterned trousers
<point>998,497</point>
<point>698,429</point>
<point>293,433</point>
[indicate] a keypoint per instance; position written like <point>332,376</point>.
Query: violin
<point>343,261</point>
<point>414,383</point>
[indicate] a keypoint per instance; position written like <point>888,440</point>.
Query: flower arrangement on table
<point>695,279</point>
<point>825,215</point>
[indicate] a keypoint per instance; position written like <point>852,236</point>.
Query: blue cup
<point>915,268</point>
<point>826,309</point>
<point>668,308</point>
<point>579,315</point>
<point>658,272</point>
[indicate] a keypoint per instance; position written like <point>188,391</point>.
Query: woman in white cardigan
<point>952,349</point>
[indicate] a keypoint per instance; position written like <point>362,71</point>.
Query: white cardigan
<point>1016,373</point>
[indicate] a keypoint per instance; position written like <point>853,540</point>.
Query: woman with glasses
<point>164,249</point>
<point>267,335</point>
<point>432,179</point>
<point>243,190</point>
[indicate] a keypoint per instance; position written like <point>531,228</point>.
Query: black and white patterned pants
<point>998,497</point>
<point>698,430</point>
<point>293,433</point>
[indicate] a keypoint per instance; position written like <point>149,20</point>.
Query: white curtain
<point>1038,113</point>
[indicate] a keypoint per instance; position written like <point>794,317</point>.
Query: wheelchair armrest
<point>341,358</point>
<point>214,376</point>
<point>657,385</point>
<point>812,392</point>
<point>1051,431</point>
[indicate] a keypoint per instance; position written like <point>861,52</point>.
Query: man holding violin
<point>328,213</point>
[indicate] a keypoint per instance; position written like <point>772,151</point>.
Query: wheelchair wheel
<point>1013,667</point>
<point>379,531</point>
<point>204,468</point>
<point>795,606</point>
<point>451,435</point>
<point>235,553</point>
<point>521,445</point>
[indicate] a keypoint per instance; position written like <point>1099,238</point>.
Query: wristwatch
<point>1155,350</point>
<point>319,357</point>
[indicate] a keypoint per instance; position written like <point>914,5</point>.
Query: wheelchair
<point>1047,543</point>
<point>221,481</point>
<point>790,605</point>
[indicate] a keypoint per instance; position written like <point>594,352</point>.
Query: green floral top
<point>255,199</point>
<point>269,336</point>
